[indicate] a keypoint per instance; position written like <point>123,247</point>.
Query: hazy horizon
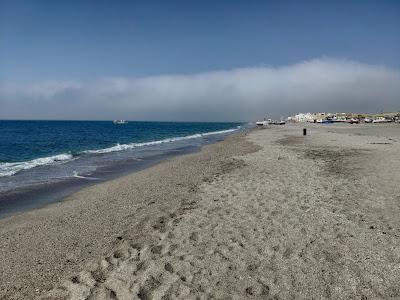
<point>225,61</point>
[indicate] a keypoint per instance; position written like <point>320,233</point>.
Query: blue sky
<point>196,60</point>
<point>88,39</point>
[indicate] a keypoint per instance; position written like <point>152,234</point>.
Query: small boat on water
<point>120,122</point>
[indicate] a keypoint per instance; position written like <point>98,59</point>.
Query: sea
<point>44,161</point>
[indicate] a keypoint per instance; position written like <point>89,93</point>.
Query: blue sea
<point>42,152</point>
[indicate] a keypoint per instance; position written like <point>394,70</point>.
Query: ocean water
<point>38,152</point>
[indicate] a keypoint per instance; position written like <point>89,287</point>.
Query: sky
<point>197,60</point>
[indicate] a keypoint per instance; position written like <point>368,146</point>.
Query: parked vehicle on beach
<point>337,120</point>
<point>354,121</point>
<point>368,120</point>
<point>324,121</point>
<point>381,120</point>
<point>281,122</point>
<point>262,123</point>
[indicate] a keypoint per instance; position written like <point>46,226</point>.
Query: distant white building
<point>307,117</point>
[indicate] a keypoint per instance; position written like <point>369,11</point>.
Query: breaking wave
<point>122,147</point>
<point>9,169</point>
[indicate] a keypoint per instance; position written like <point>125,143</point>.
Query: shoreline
<point>265,214</point>
<point>36,196</point>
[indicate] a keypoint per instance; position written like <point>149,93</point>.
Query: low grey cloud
<point>239,94</point>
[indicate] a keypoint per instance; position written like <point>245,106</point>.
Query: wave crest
<point>8,169</point>
<point>122,147</point>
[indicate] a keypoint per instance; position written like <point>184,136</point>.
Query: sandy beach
<point>267,214</point>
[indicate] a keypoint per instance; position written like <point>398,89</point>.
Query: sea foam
<point>8,169</point>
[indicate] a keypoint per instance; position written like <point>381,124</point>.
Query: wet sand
<point>36,196</point>
<point>270,214</point>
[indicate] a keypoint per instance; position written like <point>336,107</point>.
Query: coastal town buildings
<point>344,117</point>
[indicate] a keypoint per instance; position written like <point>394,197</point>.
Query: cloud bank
<point>234,95</point>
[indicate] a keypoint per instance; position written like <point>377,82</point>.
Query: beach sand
<point>268,214</point>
